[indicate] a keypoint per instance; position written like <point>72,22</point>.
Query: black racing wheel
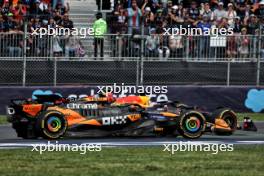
<point>228,116</point>
<point>191,124</point>
<point>25,130</point>
<point>51,125</point>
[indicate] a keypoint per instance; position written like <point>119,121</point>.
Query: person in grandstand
<point>152,44</point>
<point>2,24</point>
<point>56,2</point>
<point>119,20</point>
<point>15,42</point>
<point>5,8</point>
<point>134,14</point>
<point>148,19</point>
<point>9,22</point>
<point>260,11</point>
<point>243,48</point>
<point>231,15</point>
<point>159,21</point>
<point>205,26</point>
<point>220,12</point>
<point>193,13</point>
<point>252,24</point>
<point>65,22</point>
<point>100,29</point>
<point>207,11</point>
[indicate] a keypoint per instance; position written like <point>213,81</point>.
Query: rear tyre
<point>191,124</point>
<point>22,133</point>
<point>25,131</point>
<point>51,125</point>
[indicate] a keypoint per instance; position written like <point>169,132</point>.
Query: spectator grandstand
<point>127,19</point>
<point>36,14</point>
<point>227,13</point>
<point>39,13</point>
<point>245,18</point>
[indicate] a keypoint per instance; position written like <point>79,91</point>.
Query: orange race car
<point>51,116</point>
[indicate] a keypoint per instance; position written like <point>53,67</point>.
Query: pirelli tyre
<point>25,130</point>
<point>191,124</point>
<point>51,125</point>
<point>228,116</point>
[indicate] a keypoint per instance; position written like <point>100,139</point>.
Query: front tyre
<point>229,117</point>
<point>191,124</point>
<point>51,125</point>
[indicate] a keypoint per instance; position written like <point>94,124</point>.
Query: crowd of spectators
<point>38,14</point>
<point>244,17</point>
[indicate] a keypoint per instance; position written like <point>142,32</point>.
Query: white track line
<point>117,144</point>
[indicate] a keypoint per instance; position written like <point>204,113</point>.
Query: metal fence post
<point>24,54</point>
<point>228,74</point>
<point>51,39</point>
<point>142,54</point>
<point>55,72</point>
<point>101,4</point>
<point>259,56</point>
<point>187,48</point>
<point>137,73</point>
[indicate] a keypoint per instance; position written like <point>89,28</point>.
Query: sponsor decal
<point>134,117</point>
<point>43,92</point>
<point>255,100</point>
<point>30,107</point>
<point>157,117</point>
<point>116,120</point>
<point>82,106</point>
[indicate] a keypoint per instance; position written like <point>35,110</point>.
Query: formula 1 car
<point>52,117</point>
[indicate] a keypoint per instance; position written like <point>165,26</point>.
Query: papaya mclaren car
<point>53,117</point>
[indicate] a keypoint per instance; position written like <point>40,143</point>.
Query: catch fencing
<point>27,60</point>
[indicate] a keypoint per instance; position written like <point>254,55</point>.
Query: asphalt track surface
<point>8,139</point>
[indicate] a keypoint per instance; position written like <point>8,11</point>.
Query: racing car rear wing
<point>52,98</point>
<point>41,99</point>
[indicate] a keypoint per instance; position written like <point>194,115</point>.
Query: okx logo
<point>116,120</point>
